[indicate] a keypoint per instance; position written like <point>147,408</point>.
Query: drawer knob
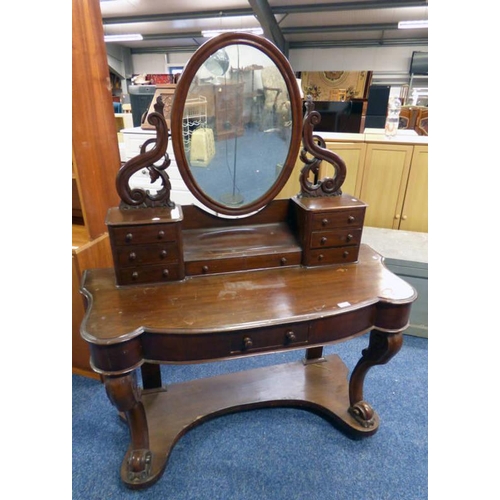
<point>135,275</point>
<point>323,240</point>
<point>351,218</point>
<point>132,256</point>
<point>247,343</point>
<point>128,237</point>
<point>161,234</point>
<point>349,237</point>
<point>324,222</point>
<point>163,254</point>
<point>205,269</point>
<point>320,256</point>
<point>165,273</point>
<point>290,336</point>
<point>345,254</point>
<point>283,261</point>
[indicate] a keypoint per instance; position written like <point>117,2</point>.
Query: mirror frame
<point>181,93</point>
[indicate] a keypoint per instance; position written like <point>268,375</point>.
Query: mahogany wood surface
<point>227,303</point>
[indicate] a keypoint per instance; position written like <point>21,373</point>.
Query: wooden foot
<point>319,387</point>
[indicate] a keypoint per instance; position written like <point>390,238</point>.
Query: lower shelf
<point>321,387</point>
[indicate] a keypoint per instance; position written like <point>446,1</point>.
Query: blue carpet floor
<point>271,453</point>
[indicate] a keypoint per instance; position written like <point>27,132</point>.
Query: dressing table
<point>239,274</point>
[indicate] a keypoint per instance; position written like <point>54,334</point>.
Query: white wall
<point>384,59</point>
<point>378,59</point>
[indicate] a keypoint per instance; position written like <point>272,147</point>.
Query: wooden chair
<point>422,122</point>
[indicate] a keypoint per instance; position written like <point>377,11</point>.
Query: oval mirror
<point>236,123</point>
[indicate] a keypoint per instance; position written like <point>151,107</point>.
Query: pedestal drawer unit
<point>329,228</point>
<point>146,250</point>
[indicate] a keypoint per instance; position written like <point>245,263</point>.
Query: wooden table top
<point>236,301</point>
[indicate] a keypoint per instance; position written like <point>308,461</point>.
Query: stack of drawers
<point>329,228</point>
<point>147,247</point>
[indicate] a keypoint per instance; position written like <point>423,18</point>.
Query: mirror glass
<point>236,125</point>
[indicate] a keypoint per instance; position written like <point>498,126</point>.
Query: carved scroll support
<point>147,159</point>
<point>315,146</point>
<point>382,347</point>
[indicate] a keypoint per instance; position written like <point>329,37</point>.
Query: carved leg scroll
<point>123,391</point>
<point>382,347</point>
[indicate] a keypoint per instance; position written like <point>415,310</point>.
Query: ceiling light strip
<point>408,25</point>
<point>122,38</point>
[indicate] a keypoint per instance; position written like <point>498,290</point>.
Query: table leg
<point>381,348</point>
<point>314,355</point>
<point>124,392</point>
<point>151,376</point>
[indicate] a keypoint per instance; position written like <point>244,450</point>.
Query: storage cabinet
<point>384,181</point>
<point>394,186</point>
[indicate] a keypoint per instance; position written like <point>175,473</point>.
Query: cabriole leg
<point>124,392</point>
<point>381,348</point>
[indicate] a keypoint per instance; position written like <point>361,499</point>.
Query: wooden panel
<point>353,154</point>
<point>95,143</point>
<point>384,181</point>
<point>415,208</point>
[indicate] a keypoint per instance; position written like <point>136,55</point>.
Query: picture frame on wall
<point>166,92</point>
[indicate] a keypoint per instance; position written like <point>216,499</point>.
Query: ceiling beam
<point>266,18</point>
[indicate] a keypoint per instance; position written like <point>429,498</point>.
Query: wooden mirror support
<point>147,159</point>
<point>316,146</point>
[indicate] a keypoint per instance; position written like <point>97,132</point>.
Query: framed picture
<point>166,92</point>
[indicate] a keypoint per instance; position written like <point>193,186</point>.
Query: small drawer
<point>148,274</point>
<point>338,218</point>
<point>151,233</point>
<point>214,266</point>
<point>139,255</point>
<point>336,255</point>
<point>270,338</point>
<point>335,238</point>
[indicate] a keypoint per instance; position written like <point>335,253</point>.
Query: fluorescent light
<point>409,25</point>
<point>212,33</point>
<point>122,38</point>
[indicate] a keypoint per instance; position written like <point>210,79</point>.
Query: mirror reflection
<point>237,125</point>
